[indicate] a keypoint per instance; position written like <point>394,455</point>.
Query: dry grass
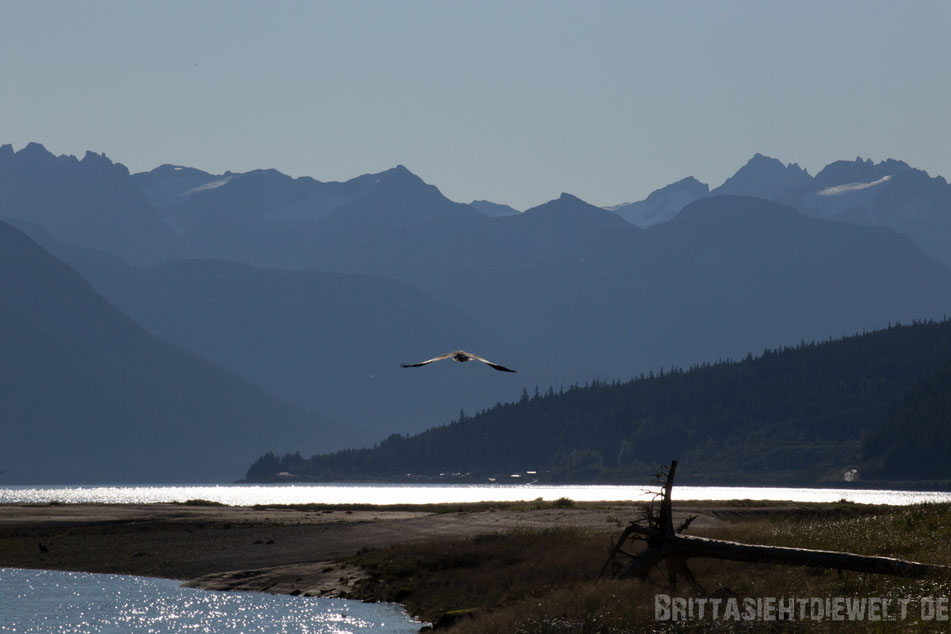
<point>545,582</point>
<point>485,571</point>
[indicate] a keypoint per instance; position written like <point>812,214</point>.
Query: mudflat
<point>279,550</point>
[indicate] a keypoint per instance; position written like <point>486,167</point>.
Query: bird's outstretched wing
<point>416,365</point>
<point>496,366</point>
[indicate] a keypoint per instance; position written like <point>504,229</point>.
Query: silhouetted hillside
<point>584,294</point>
<point>914,441</point>
<point>565,293</point>
<point>328,342</point>
<point>789,416</point>
<point>88,396</point>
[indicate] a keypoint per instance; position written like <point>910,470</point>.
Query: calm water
<point>42,601</point>
<point>249,495</point>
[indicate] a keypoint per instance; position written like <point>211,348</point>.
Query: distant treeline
<point>878,401</point>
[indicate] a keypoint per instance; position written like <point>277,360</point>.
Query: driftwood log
<point>665,543</point>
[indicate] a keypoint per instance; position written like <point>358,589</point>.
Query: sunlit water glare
<point>250,495</point>
<point>43,601</point>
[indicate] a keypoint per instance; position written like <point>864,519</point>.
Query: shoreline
<point>534,563</point>
<point>302,550</point>
<point>261,548</point>
<point>280,550</point>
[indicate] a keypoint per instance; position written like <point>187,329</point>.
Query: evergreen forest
<point>878,402</point>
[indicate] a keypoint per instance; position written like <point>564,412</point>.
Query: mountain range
<point>888,194</point>
<point>313,292</point>
<point>91,203</point>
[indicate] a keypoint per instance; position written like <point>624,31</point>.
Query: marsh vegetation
<point>545,581</point>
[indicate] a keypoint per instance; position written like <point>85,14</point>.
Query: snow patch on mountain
<point>851,187</point>
<point>215,184</point>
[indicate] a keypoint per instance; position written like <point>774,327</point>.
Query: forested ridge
<point>795,415</point>
<point>914,441</point>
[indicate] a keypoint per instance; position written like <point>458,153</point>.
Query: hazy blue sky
<point>510,101</point>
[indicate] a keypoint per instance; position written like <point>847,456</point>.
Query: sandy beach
<point>285,551</point>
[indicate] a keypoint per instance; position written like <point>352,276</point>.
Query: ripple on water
<point>42,601</point>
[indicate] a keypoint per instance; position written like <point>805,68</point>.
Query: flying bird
<point>461,356</point>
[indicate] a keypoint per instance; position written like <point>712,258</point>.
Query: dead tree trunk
<point>665,543</point>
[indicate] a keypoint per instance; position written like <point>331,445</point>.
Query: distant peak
<point>92,157</point>
<point>859,171</point>
<point>761,160</point>
<point>94,161</point>
<point>33,149</point>
<point>689,181</point>
<point>399,174</point>
<point>565,202</point>
<point>36,154</point>
<point>400,171</point>
<point>689,184</point>
<point>901,165</point>
<point>889,162</point>
<point>765,177</point>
